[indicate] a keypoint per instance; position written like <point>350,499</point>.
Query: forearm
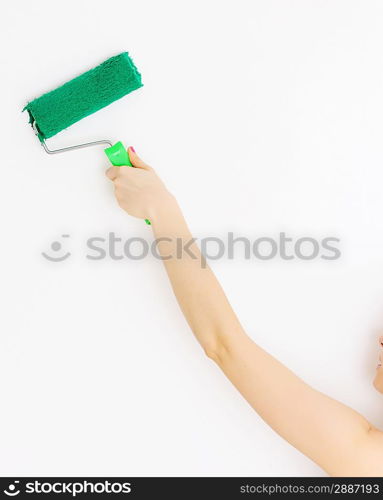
<point>197,290</point>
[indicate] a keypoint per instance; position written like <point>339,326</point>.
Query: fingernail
<point>132,148</point>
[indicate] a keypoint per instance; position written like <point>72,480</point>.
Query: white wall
<point>262,117</point>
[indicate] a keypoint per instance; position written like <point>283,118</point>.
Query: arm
<point>336,437</point>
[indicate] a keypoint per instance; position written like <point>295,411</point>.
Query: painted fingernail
<point>132,148</point>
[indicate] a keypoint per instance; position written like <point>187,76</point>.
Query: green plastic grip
<point>119,157</point>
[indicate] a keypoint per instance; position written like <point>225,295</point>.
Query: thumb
<point>112,173</point>
<point>136,160</point>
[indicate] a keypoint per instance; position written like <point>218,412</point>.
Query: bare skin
<point>340,440</point>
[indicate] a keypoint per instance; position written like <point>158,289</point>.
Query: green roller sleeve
<point>93,90</point>
<point>119,157</point>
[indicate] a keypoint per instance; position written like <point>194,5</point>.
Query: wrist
<point>164,209</point>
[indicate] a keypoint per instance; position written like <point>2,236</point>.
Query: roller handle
<point>119,157</point>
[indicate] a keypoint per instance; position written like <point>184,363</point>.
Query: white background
<point>262,117</point>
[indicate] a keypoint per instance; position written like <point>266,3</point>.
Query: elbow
<point>216,350</point>
<point>211,353</point>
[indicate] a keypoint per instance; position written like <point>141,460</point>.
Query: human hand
<point>139,191</point>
